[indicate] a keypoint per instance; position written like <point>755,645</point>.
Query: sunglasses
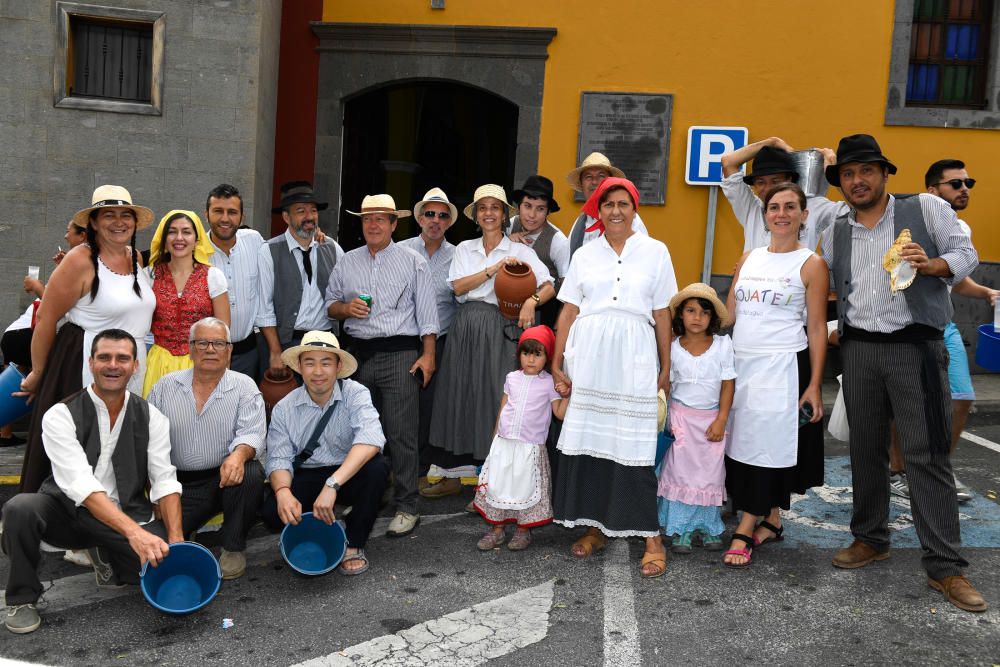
<point>957,183</point>
<point>442,215</point>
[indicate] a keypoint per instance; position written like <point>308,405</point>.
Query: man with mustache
<point>294,269</point>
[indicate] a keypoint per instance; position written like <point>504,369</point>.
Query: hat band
<point>111,202</point>
<point>320,344</point>
<point>377,209</point>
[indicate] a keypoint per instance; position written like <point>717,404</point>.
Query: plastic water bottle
<point>996,316</point>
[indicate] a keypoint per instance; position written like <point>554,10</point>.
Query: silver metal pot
<point>809,164</point>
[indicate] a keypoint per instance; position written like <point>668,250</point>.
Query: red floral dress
<point>175,313</point>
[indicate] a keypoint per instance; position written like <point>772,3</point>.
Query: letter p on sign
<point>705,148</point>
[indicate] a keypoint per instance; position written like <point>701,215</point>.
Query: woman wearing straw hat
<point>481,343</point>
<point>97,286</point>
<point>187,288</point>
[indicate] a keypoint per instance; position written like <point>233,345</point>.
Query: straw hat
<point>594,160</point>
<point>320,341</point>
<point>113,196</point>
<point>488,190</point>
<point>380,204</point>
<point>434,196</point>
<point>701,291</point>
<point>661,410</point>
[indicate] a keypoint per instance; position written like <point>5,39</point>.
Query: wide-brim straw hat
<point>488,190</point>
<point>320,341</point>
<point>380,204</point>
<point>701,291</point>
<point>113,196</point>
<point>434,196</point>
<point>594,160</point>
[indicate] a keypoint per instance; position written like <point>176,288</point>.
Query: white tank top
<point>771,302</point>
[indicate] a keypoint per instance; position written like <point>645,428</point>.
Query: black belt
<point>196,475</point>
<point>365,348</point>
<point>914,333</point>
<point>248,344</point>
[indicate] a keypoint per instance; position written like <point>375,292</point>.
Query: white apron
<point>765,414</point>
<point>509,477</point>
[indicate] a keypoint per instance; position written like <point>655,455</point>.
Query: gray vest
<point>576,234</point>
<point>542,245</point>
<point>128,459</point>
<point>288,282</point>
<point>927,298</point>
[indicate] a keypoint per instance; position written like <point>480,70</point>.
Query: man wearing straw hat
<point>393,336</point>
<point>585,178</point>
<point>294,269</point>
<point>325,443</point>
<point>106,445</point>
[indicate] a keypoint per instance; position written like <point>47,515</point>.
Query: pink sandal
<point>745,553</point>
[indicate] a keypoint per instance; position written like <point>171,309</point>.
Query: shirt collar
<point>852,217</point>
<point>101,405</point>
<point>503,245</point>
<point>293,244</point>
<point>185,379</point>
<point>302,397</point>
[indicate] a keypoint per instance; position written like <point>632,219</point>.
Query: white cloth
<point>116,307</point>
<point>697,381</point>
<point>771,302</point>
<point>71,470</point>
<point>558,249</point>
<point>22,322</point>
<point>838,426</point>
<point>510,474</point>
<point>637,226</point>
<point>638,282</point>
<point>216,279</point>
<point>240,270</point>
<point>470,257</point>
<point>765,416</point>
<point>749,212</point>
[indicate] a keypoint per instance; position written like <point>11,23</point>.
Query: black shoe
<point>12,441</point>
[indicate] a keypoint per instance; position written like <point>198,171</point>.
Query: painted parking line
<point>621,630</point>
<point>981,441</point>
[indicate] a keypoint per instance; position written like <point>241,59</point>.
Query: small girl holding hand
<point>702,384</point>
<point>515,484</point>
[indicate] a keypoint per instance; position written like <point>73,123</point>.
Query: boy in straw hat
<point>585,178</point>
<point>325,442</point>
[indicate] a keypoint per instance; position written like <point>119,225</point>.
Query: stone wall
<point>217,125</point>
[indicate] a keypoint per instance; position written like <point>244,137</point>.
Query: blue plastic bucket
<point>988,348</point>
<point>12,408</point>
<point>185,581</point>
<point>312,547</point>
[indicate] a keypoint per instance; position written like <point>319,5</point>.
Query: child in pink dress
<point>515,485</point>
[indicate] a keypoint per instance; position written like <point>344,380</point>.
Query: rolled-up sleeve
<point>954,245</point>
<point>666,283</point>
<point>265,288</point>
<point>425,301</point>
<point>571,290</point>
<point>71,471</point>
<point>365,424</point>
<point>162,473</point>
<point>251,423</point>
<point>280,450</point>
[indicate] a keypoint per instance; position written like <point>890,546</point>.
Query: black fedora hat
<point>298,192</point>
<point>770,161</point>
<point>857,148</point>
<point>536,186</point>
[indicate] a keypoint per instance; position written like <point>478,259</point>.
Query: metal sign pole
<point>706,267</point>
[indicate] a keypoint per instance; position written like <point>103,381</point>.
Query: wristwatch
<point>537,298</point>
<point>332,482</point>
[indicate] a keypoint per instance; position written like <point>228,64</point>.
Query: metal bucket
<point>809,164</point>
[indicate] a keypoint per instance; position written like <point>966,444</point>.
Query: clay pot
<point>274,389</point>
<point>515,283</point>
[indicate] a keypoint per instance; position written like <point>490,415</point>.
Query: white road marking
<point>988,444</point>
<point>470,636</point>
<point>621,630</point>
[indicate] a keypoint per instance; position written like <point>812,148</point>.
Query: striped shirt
<point>870,305</point>
<point>400,284</point>
<point>240,268</point>
<point>440,264</point>
<point>312,312</point>
<point>233,415</point>
<point>354,422</point>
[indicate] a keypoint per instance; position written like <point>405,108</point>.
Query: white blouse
<point>696,381</point>
<point>470,257</point>
<point>639,281</point>
<point>217,281</point>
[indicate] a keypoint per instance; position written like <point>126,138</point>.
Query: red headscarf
<point>543,335</point>
<point>593,208</point>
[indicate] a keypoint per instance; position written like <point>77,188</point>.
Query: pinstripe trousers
<point>396,395</point>
<point>881,383</point>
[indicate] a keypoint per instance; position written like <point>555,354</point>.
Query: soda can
<point>367,298</point>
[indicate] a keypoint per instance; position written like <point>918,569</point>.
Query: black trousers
<point>202,499</point>
<point>30,518</point>
<point>362,492</point>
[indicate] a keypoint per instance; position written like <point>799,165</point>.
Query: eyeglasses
<point>217,345</point>
<point>956,183</point>
<point>443,215</point>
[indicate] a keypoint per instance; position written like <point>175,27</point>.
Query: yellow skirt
<point>159,362</point>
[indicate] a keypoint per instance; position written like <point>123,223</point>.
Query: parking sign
<point>706,145</point>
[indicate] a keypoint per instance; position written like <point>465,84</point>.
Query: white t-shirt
<point>639,281</point>
<point>470,257</point>
<point>697,381</point>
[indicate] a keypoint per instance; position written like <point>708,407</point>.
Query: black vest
<point>288,282</point>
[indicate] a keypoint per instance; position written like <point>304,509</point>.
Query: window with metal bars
<point>111,59</point>
<point>949,53</point>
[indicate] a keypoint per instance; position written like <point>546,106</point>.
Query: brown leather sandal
<point>653,558</point>
<point>592,542</point>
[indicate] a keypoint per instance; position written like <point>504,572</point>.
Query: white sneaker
<point>402,524</point>
<point>77,557</point>
<point>963,492</point>
<point>898,486</point>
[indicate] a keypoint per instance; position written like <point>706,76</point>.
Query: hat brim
<point>348,364</point>
<point>770,171</point>
<point>143,215</point>
<point>693,291</point>
<point>832,172</point>
<point>573,177</point>
<point>320,205</point>
<point>403,213</point>
<point>418,208</point>
<point>518,195</point>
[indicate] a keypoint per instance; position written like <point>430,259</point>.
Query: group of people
<point>557,403</point>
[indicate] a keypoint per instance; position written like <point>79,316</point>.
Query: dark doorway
<point>406,138</point>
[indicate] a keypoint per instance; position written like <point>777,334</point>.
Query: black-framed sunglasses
<point>442,215</point>
<point>217,345</point>
<point>956,183</point>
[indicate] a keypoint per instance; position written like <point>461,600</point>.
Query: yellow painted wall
<point>809,71</point>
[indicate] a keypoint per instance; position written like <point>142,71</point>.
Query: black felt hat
<point>536,186</point>
<point>857,148</point>
<point>770,161</point>
<point>298,192</point>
